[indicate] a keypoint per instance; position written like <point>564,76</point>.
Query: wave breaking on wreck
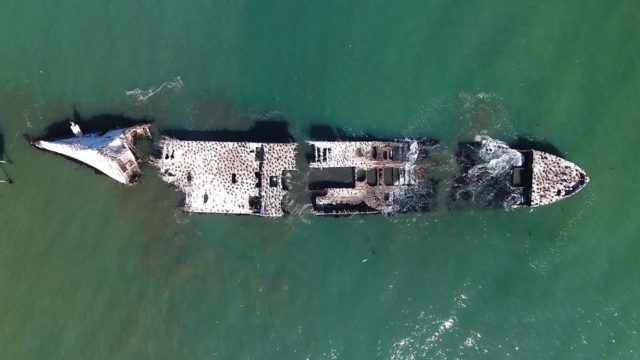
<point>495,175</point>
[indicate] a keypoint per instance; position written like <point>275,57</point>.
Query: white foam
<point>142,96</point>
<point>498,159</point>
<point>471,341</point>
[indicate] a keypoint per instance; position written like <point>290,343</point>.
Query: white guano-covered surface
<point>359,154</point>
<point>554,178</point>
<point>108,153</point>
<point>343,154</point>
<point>204,171</point>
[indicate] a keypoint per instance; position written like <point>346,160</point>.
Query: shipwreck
<point>111,152</point>
<point>544,178</point>
<point>371,177</point>
<point>228,177</point>
<point>248,172</point>
<point>494,174</point>
<point>6,179</point>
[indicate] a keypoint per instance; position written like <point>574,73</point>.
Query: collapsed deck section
<point>228,177</point>
<point>377,177</point>
<point>112,152</point>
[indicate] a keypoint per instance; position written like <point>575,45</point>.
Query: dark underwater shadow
<point>4,176</point>
<point>524,143</point>
<point>98,124</point>
<point>4,158</point>
<point>95,124</point>
<point>266,131</point>
<point>321,132</point>
<point>2,153</point>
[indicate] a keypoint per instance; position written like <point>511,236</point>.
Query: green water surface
<point>90,269</point>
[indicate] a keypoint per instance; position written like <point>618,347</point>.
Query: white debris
<point>111,153</point>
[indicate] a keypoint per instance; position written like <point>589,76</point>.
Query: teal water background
<point>91,269</point>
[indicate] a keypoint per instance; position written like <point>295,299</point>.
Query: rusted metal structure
<point>382,177</point>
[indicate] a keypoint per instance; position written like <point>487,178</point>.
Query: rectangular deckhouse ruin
<point>228,177</point>
<point>382,177</point>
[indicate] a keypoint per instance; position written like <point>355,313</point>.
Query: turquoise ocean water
<point>90,269</point>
